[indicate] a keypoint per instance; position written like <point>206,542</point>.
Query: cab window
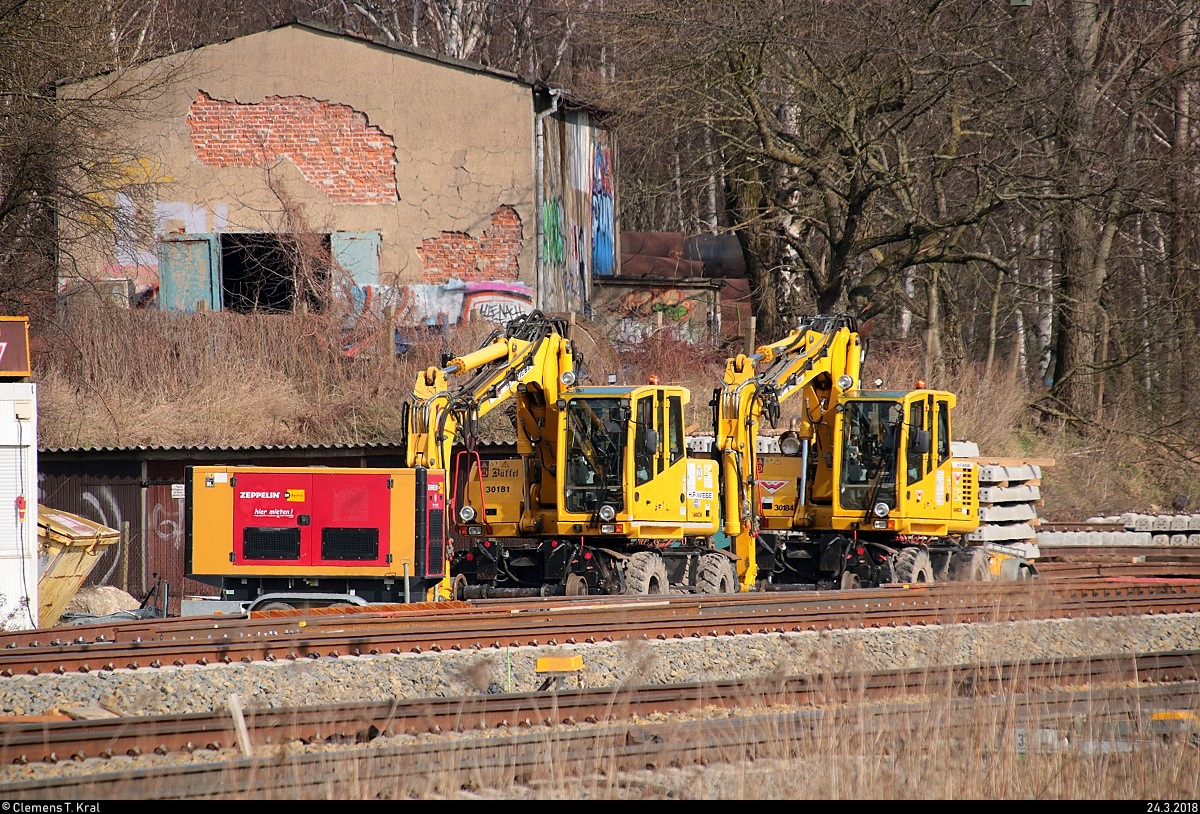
<point>675,429</point>
<point>943,431</point>
<point>643,461</point>
<point>915,458</point>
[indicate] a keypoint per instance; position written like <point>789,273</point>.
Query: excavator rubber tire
<point>912,565</point>
<point>1010,571</point>
<point>716,575</point>
<point>970,565</point>
<point>646,573</point>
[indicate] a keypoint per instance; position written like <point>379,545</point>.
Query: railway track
<point>1060,562</point>
<point>494,731</point>
<point>494,624</point>
<point>1026,695</point>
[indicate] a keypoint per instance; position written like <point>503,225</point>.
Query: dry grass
<point>118,377</point>
<point>934,748</point>
<point>146,377</point>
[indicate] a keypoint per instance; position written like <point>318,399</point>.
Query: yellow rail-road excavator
<point>608,495</point>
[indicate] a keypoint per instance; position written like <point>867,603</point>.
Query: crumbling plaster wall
<point>296,128</point>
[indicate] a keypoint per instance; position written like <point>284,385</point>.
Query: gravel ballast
<point>176,690</point>
<point>173,690</point>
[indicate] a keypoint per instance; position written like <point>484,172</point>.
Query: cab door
<point>928,470</point>
<point>272,520</point>
<point>660,462</point>
<point>918,461</point>
<point>940,458</point>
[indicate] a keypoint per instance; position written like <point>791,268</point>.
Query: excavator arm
<point>533,351</point>
<point>821,358</point>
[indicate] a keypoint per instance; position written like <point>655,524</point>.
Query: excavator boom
<point>532,351</point>
<point>822,358</point>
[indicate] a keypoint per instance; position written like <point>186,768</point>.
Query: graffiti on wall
<point>452,302</point>
<point>165,543</point>
<point>462,274</point>
<point>496,302</point>
<point>603,214</point>
<point>151,519</point>
<point>578,210</point>
<point>448,304</point>
<point>574,281</point>
<point>554,235</point>
<point>166,525</point>
<point>636,313</point>
<point>102,505</point>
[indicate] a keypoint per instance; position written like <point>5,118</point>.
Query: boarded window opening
<point>269,273</point>
<point>273,273</point>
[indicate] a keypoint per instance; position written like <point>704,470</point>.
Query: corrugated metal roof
<point>215,447</point>
<point>371,445</point>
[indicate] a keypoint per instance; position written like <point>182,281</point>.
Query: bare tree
<point>1179,244</point>
<point>1105,91</point>
<point>861,134</point>
<point>534,38</point>
<point>59,163</point>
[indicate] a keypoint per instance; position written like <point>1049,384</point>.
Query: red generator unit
<point>303,537</point>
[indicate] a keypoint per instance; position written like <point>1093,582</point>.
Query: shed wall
<point>296,128</point>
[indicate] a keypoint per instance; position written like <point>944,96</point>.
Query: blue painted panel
<point>189,272</point>
<point>358,254</point>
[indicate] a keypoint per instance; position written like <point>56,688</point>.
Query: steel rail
<point>54,741</point>
<point>1101,718</point>
<point>1113,569</point>
<point>437,614</point>
<point>299,635</point>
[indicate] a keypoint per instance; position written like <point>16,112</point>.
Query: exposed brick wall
<point>491,256</point>
<point>332,145</point>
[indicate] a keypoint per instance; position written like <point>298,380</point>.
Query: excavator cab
<point>895,471</point>
<point>627,472</point>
